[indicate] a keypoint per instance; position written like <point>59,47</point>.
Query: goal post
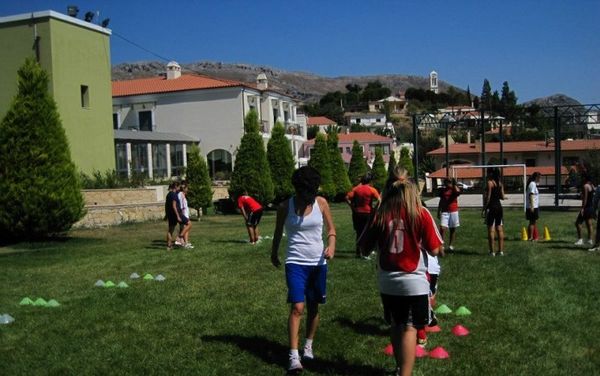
<point>513,170</point>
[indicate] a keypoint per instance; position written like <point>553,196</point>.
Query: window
<point>275,115</point>
<point>85,96</point>
<point>145,120</point>
<point>348,150</point>
<point>139,158</point>
<point>159,161</point>
<point>115,121</point>
<point>286,116</point>
<point>121,157</point>
<point>176,159</point>
<point>219,164</point>
<point>530,162</point>
<point>341,150</point>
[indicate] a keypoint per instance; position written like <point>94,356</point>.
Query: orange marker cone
<point>524,234</point>
<point>547,234</point>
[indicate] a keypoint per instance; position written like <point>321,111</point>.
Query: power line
<point>141,47</point>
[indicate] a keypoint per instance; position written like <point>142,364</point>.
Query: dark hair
<point>494,174</point>
<point>306,181</point>
<point>533,177</point>
<point>447,181</point>
<point>366,179</point>
<point>174,185</point>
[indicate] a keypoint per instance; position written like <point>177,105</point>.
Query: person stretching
<point>252,212</point>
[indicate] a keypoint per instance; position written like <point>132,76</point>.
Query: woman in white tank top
<point>305,265</point>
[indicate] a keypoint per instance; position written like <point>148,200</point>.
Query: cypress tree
<point>338,168</point>
<point>391,164</point>
<point>406,161</point>
<point>251,171</point>
<point>40,187</point>
<point>358,166</point>
<point>200,191</point>
<point>281,163</point>
<point>378,170</point>
<point>319,160</point>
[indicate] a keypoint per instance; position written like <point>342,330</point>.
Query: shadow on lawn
<point>230,241</point>
<point>274,353</point>
<point>463,253</point>
<point>12,247</point>
<point>368,326</point>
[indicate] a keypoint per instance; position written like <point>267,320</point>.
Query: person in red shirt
<point>447,211</point>
<point>252,211</point>
<point>361,200</point>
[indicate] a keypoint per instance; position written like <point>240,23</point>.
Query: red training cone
<point>439,353</point>
<point>420,352</point>
<point>433,329</point>
<point>389,350</point>
<point>460,331</point>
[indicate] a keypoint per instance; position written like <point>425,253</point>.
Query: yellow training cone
<point>547,233</point>
<point>524,234</point>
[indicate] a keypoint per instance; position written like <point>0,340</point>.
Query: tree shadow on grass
<point>230,241</point>
<point>12,247</point>
<point>463,253</point>
<point>370,326</point>
<point>274,353</point>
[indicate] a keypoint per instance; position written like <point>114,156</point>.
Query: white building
<point>156,119</point>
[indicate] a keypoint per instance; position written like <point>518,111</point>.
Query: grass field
<point>222,309</point>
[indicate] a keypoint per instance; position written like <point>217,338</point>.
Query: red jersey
<point>362,197</point>
<point>400,248</point>
<point>449,200</point>
<point>249,204</point>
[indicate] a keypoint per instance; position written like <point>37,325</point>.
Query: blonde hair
<point>400,195</point>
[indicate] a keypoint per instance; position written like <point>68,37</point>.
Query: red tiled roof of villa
<point>160,84</point>
<point>348,138</point>
<point>320,120</point>
<point>475,173</point>
<point>518,147</point>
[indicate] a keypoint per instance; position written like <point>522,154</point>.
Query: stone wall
<point>108,207</point>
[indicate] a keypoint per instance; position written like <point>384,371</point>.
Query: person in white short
<point>448,211</point>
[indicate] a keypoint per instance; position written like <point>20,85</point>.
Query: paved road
<point>512,200</point>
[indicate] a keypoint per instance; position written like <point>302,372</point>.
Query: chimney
<point>173,70</point>
<point>262,82</point>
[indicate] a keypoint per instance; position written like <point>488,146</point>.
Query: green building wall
<point>73,55</point>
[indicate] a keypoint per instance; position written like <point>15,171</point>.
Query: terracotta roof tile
<point>518,147</point>
<point>162,85</point>
<point>320,120</point>
<point>348,138</point>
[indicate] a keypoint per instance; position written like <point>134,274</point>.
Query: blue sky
<point>539,47</point>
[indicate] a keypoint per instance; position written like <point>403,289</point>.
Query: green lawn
<point>222,309</point>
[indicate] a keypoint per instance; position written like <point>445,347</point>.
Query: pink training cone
<point>389,350</point>
<point>420,352</point>
<point>439,353</point>
<point>460,331</point>
<point>433,329</point>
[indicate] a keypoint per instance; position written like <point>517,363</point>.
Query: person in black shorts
<point>586,214</point>
<point>493,211</point>
<point>172,210</point>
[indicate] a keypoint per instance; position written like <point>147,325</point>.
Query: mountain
<point>553,100</point>
<point>305,87</point>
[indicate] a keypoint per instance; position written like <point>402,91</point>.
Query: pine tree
<point>485,102</point>
<point>338,168</point>
<point>281,163</point>
<point>358,166</point>
<point>319,160</point>
<point>378,170</point>
<point>251,171</point>
<point>200,191</point>
<point>39,183</point>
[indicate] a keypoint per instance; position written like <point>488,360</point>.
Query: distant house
<point>76,56</point>
<point>322,122</point>
<point>536,155</point>
<point>367,140</point>
<point>156,119</point>
<point>396,104</point>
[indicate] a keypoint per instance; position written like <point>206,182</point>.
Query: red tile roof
<point>518,147</point>
<point>156,85</point>
<point>320,120</point>
<point>475,173</point>
<point>348,138</point>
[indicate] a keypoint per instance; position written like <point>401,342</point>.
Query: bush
<point>378,170</point>
<point>40,188</point>
<point>319,160</point>
<point>358,166</point>
<point>338,168</point>
<point>200,186</point>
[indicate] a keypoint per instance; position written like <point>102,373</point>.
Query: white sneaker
<point>177,242</point>
<point>579,242</point>
<point>188,246</point>
<point>308,353</point>
<point>295,365</point>
<point>594,249</point>
<point>451,248</point>
<point>501,253</point>
<point>491,253</point>
<point>590,242</point>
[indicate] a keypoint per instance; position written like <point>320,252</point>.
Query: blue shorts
<point>306,281</point>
